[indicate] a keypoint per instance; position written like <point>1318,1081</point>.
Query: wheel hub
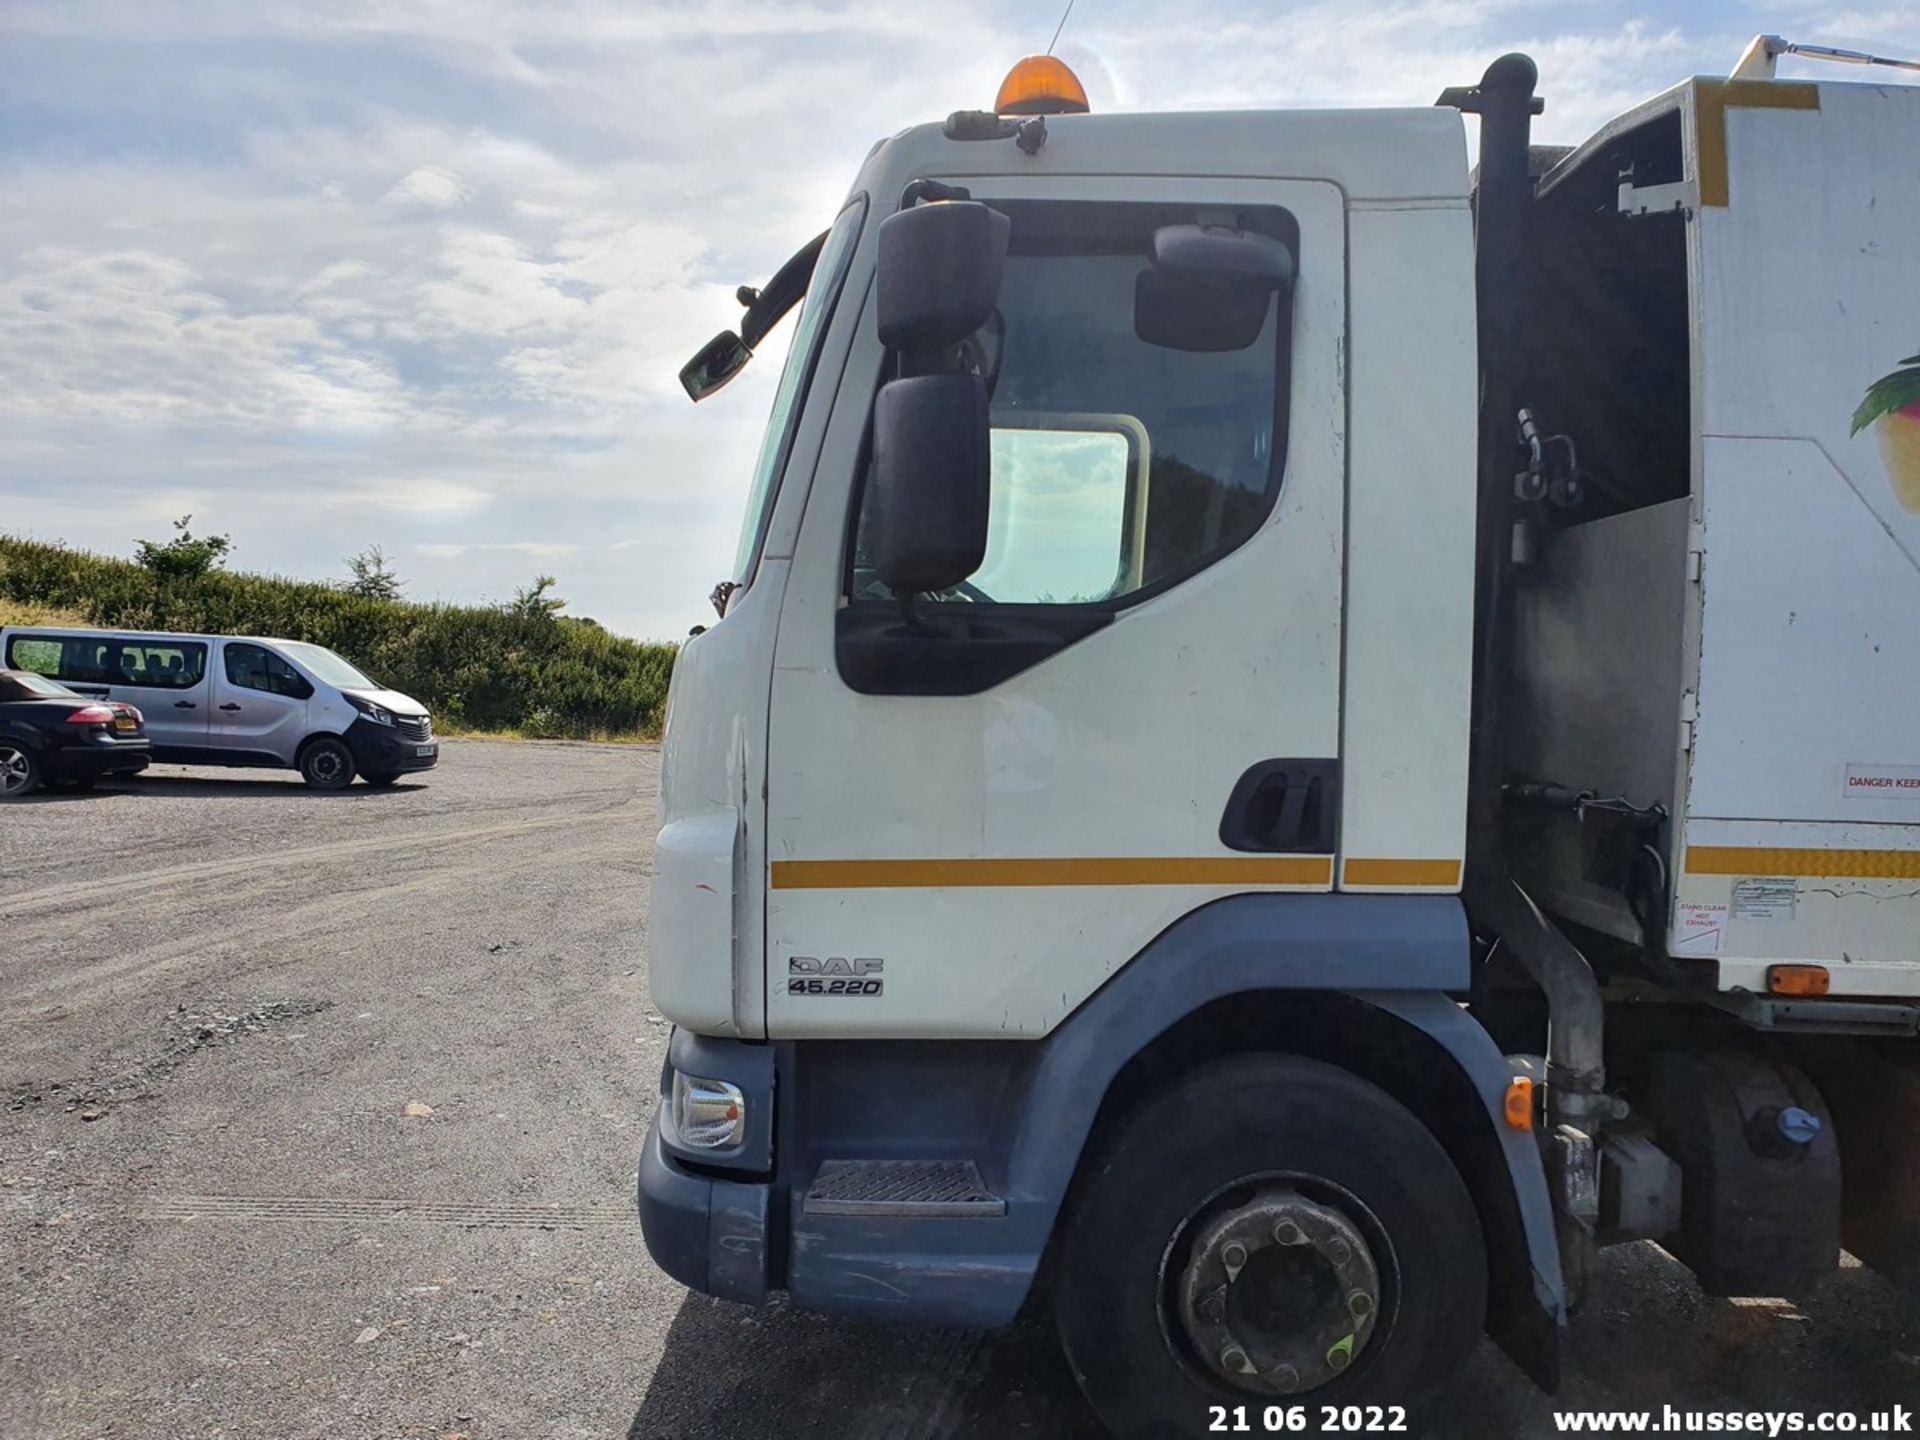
<point>1279,1294</point>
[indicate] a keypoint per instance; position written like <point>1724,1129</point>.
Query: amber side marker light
<point>1518,1106</point>
<point>1798,979</point>
<point>1041,85</point>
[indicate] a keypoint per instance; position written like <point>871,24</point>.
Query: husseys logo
<point>834,975</point>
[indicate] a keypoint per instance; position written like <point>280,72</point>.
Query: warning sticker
<point>1765,897</point>
<point>1884,782</point>
<point>1698,929</point>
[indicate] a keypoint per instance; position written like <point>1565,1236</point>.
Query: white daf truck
<point>1299,737</point>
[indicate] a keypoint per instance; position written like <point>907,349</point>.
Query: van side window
<point>154,666</point>
<point>103,660</point>
<point>252,667</point>
<point>40,654</point>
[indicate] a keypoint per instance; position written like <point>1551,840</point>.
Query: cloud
<point>417,495</point>
<point>544,548</point>
<point>128,338</point>
<point>432,186</point>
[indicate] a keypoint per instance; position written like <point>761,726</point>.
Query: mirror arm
<point>925,189</point>
<point>771,301</point>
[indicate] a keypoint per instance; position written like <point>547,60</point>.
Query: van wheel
<point>326,764</point>
<point>19,771</point>
<point>1272,1231</point>
<point>380,779</point>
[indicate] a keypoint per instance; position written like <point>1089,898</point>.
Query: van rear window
<point>105,660</point>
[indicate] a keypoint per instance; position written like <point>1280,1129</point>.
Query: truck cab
<point>1070,828</point>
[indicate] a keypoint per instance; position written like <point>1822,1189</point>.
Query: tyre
<point>19,770</point>
<point>326,764</point>
<point>380,779</point>
<point>1271,1231</point>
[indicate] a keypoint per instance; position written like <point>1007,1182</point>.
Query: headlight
<point>708,1114</point>
<point>379,714</point>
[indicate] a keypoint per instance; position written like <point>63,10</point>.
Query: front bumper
<point>734,1223</point>
<point>380,749</point>
<point>708,1233</point>
<point>705,1213</point>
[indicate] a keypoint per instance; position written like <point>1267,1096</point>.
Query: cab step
<point>901,1187</point>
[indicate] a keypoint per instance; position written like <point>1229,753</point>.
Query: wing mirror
<point>936,281</point>
<point>938,273</point>
<point>1208,287</point>
<point>929,486</point>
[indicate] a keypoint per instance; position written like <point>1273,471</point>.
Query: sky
<point>421,273</point>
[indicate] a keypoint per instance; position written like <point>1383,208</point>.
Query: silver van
<point>240,700</point>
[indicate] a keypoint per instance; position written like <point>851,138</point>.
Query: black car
<point>51,736</point>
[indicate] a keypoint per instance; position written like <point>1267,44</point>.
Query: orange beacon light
<point>1041,85</point>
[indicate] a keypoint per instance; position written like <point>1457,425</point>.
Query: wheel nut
<point>1339,1253</point>
<point>1359,1305</point>
<point>1234,1256</point>
<point>1288,1233</point>
<point>1235,1359</point>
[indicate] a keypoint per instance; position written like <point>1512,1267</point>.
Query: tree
<point>185,557</point>
<point>373,575</point>
<point>534,602</point>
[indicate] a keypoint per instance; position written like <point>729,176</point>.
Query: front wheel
<point>327,764</point>
<point>19,770</point>
<point>1271,1231</point>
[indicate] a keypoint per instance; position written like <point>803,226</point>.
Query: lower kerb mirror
<point>1197,313</point>
<point>1209,287</point>
<point>927,507</point>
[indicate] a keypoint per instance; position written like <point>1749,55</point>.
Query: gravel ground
<point>321,1120</point>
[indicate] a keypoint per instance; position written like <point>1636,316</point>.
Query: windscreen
<point>329,667</point>
<point>828,273</point>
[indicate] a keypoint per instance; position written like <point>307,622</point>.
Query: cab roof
<point>1371,154</point>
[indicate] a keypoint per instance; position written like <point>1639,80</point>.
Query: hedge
<point>476,667</point>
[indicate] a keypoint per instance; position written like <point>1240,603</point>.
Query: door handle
<point>185,705</point>
<point>229,707</point>
<point>1284,805</point>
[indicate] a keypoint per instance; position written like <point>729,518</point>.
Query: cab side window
<point>253,667</point>
<point>1124,458</point>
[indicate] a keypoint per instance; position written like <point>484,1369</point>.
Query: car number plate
<point>423,750</point>
<point>125,723</point>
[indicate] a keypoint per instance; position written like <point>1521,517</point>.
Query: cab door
<point>977,811</point>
